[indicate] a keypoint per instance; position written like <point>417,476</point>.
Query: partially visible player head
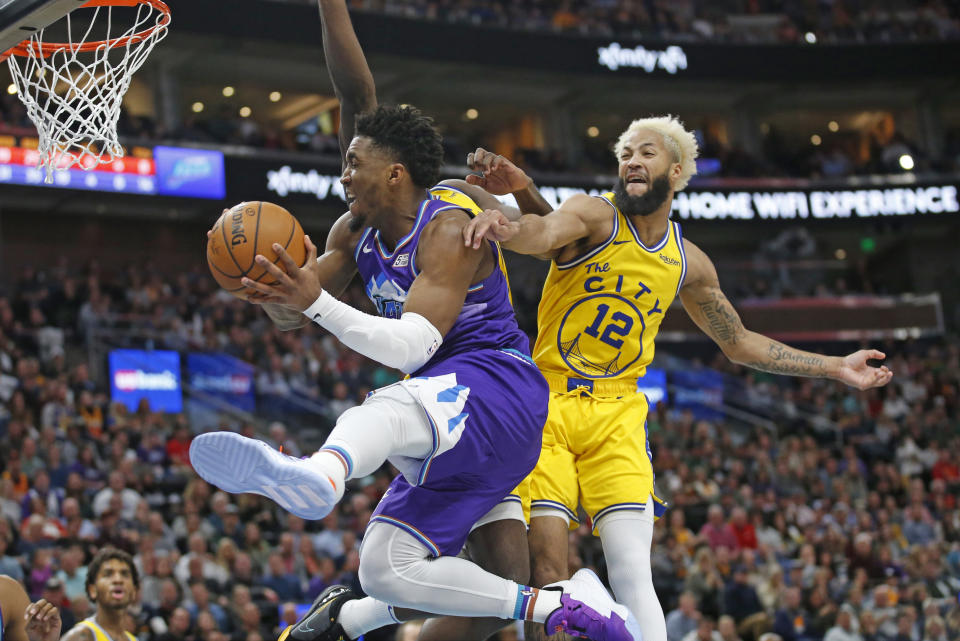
<point>657,157</point>
<point>112,579</point>
<point>394,147</point>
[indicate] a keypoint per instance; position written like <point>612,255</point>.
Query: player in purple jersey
<point>464,430</point>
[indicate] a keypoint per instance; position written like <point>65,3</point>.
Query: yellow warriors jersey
<point>600,312</point>
<point>99,634</point>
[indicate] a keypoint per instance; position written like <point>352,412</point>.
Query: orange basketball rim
<point>30,47</point>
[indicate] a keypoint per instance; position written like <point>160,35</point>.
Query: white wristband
<point>406,343</point>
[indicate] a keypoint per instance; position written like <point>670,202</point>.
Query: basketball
<point>243,232</point>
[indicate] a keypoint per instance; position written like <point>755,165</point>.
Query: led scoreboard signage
<point>171,171</point>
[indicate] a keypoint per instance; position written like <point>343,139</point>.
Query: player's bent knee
<point>389,560</point>
<point>378,581</point>
<point>371,575</point>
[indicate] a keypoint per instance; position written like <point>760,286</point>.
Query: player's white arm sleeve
<point>405,343</point>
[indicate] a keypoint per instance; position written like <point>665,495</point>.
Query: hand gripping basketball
<point>297,288</point>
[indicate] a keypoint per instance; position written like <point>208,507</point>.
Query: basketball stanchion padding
<point>73,90</point>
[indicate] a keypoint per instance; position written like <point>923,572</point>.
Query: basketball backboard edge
<point>19,19</point>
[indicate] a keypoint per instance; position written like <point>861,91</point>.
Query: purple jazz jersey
<point>487,319</point>
<point>490,439</point>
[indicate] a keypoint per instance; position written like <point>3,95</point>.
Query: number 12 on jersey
<point>620,325</point>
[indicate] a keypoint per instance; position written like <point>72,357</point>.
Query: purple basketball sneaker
<point>587,610</point>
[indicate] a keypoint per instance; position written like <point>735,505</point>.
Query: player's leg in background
<point>499,547</point>
<point>397,568</point>
<point>554,494</point>
<point>549,559</point>
<point>627,537</point>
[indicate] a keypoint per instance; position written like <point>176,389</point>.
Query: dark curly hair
<point>110,554</point>
<point>409,136</point>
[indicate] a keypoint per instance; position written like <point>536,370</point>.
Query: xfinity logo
<point>614,56</point>
<point>287,181</point>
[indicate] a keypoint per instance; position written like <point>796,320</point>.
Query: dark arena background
<point>826,194</point>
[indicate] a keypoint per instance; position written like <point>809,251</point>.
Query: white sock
<point>546,602</point>
<point>391,422</point>
<point>362,615</point>
<point>626,538</point>
<point>331,465</point>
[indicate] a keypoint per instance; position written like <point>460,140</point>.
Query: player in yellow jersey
<point>617,262</point>
<point>21,620</point>
<point>498,543</point>
<point>113,584</point>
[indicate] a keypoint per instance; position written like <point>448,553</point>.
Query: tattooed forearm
<point>724,324</point>
<point>781,359</point>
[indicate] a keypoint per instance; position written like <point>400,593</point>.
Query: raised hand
<point>497,175</point>
<point>855,372</point>
<point>489,225</point>
<point>42,621</point>
<point>297,288</point>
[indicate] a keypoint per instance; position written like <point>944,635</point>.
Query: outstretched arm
<point>483,198</point>
<point>712,312</point>
<point>349,72</point>
<point>580,217</point>
<point>498,175</point>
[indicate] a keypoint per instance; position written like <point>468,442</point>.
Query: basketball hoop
<point>73,90</point>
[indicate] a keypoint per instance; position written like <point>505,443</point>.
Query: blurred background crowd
<point>843,527</point>
<point>734,21</point>
<point>831,515</point>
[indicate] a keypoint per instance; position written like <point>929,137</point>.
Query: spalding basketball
<point>243,232</point>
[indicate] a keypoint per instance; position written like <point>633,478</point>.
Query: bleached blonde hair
<point>682,143</point>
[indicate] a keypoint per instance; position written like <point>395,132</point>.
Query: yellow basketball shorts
<point>595,453</point>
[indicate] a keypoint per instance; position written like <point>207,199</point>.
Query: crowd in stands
<point>841,525</point>
<point>740,21</point>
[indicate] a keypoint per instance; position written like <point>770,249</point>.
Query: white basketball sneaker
<point>587,610</point>
<point>241,465</point>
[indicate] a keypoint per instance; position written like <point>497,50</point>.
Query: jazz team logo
<point>387,295</point>
<point>600,336</point>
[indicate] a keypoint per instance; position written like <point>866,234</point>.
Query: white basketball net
<point>74,97</point>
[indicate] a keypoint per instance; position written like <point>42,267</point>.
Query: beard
<point>645,204</point>
<point>357,223</point>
